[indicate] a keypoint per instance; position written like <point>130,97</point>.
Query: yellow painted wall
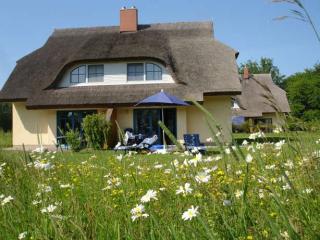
<point>220,108</point>
<point>125,117</point>
<point>276,120</point>
<point>27,125</point>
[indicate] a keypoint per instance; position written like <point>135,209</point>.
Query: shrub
<point>73,140</point>
<point>96,129</point>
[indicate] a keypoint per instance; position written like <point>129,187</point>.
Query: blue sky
<point>245,25</point>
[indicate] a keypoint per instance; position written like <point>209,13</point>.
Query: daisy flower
<point>151,194</point>
<point>184,190</point>
<point>190,213</point>
<point>138,212</point>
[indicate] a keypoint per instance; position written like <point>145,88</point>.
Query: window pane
<point>95,78</point>
<point>149,67</point>
<point>74,78</point>
<point>153,72</point>
<point>135,71</point>
<point>82,78</point>
<point>149,75</point>
<point>75,71</point>
<point>82,70</point>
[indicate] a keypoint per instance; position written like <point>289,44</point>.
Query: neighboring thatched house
<point>109,69</point>
<point>262,102</point>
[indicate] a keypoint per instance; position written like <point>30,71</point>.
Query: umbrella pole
<point>163,137</point>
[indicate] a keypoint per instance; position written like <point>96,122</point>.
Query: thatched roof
<point>260,95</point>
<point>198,63</point>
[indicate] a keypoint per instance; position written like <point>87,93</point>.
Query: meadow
<point>248,191</point>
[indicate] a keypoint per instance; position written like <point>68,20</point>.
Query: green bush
<point>96,129</point>
<point>73,140</point>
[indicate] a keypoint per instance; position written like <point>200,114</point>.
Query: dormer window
<point>153,72</point>
<point>95,73</point>
<point>78,75</point>
<point>135,72</point>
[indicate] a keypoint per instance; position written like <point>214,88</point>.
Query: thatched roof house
<point>260,99</point>
<point>192,63</point>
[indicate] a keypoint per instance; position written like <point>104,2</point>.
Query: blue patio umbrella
<point>163,99</point>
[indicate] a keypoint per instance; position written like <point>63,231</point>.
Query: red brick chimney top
<point>128,19</point>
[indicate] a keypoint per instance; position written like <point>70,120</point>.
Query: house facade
<point>109,69</point>
<point>262,103</point>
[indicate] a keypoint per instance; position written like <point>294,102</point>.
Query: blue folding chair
<point>192,143</point>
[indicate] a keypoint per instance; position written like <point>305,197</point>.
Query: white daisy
<point>190,213</point>
<point>151,194</point>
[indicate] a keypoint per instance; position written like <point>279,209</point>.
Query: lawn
<point>256,191</point>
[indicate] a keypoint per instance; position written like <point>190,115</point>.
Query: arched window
<point>78,75</point>
<point>153,72</point>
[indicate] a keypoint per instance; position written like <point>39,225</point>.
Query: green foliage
<point>303,91</point>
<point>272,197</point>
<point>96,129</point>
<point>5,139</point>
<point>73,139</point>
<point>171,136</point>
<point>265,65</point>
<point>5,116</point>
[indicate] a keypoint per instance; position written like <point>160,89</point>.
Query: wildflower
<point>35,202</point>
<point>190,213</point>
<point>308,190</point>
<point>22,235</point>
<point>195,160</point>
<point>279,144</point>
<point>158,166</point>
<point>175,163</point>
<point>49,209</point>
<point>151,194</point>
<point>261,193</point>
<point>259,134</point>
<point>66,185</point>
<point>209,139</point>
<point>162,189</point>
<point>167,171</point>
<point>270,167</point>
<point>119,157</point>
<point>218,134</point>
<point>244,143</point>
<point>239,172</point>
<point>277,130</point>
<point>318,141</point>
<point>238,193</point>
<point>227,151</point>
<point>202,177</point>
<point>6,200</point>
<point>285,235</point>
<point>226,202</point>
<point>184,190</point>
<point>44,166</point>
<point>138,211</point>
<point>249,158</point>
<point>289,164</point>
<point>286,187</point>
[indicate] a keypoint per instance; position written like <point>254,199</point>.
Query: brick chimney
<point>246,73</point>
<point>128,19</point>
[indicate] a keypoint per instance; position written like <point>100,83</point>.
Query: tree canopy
<point>303,91</point>
<point>265,65</point>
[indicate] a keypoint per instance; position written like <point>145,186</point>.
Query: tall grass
<point>248,191</point>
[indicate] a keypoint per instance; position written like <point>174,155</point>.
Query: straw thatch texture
<point>198,63</point>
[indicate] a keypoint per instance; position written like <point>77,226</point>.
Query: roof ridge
<point>185,24</point>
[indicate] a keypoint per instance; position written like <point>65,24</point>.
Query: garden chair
<point>147,143</point>
<point>192,143</point>
<point>128,142</point>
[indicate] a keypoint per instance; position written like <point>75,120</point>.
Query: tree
<point>265,65</point>
<point>5,117</point>
<point>303,91</point>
